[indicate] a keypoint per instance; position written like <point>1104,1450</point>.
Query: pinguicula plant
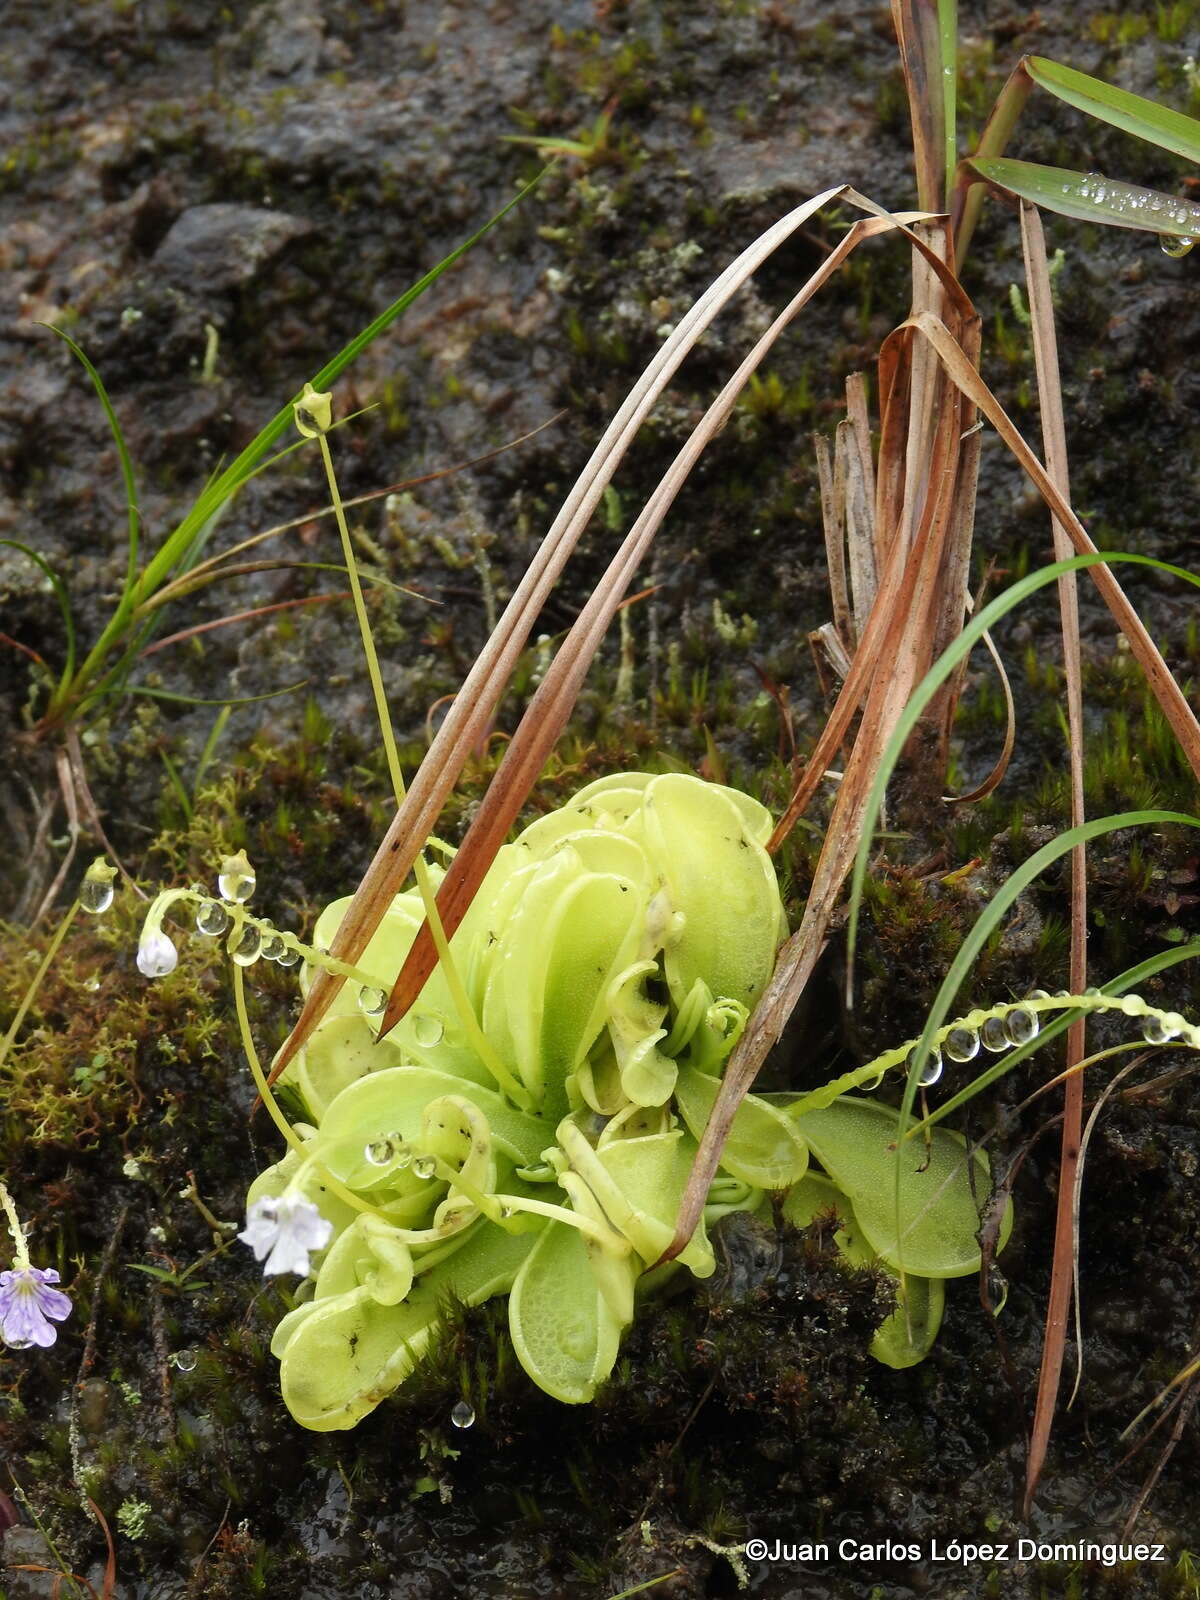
<point>539,1145</point>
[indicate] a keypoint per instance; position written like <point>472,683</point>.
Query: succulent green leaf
<point>906,1336</point>
<point>563,1330</point>
<point>765,1148</point>
<point>341,1356</point>
<point>721,881</point>
<point>855,1141</point>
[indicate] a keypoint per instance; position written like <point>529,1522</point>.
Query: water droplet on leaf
<point>371,1002</point>
<point>288,956</point>
<point>428,1029</point>
<point>184,1360</point>
<point>1153,1030</point>
<point>463,1415</point>
<point>424,1167</point>
<point>1174,245</point>
<point>379,1152</point>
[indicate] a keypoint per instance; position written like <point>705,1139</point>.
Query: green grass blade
<point>1091,198</point>
<point>221,489</point>
<point>948,30</point>
<point>941,669</point>
<point>1170,130</point>
<point>60,594</point>
<point>127,473</point>
<point>240,469</point>
<point>1131,978</point>
<point>199,700</point>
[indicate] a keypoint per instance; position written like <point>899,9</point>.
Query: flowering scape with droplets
<point>538,1146</point>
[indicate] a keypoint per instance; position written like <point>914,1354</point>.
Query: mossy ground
<point>747,1406</point>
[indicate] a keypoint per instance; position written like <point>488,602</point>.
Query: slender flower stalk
<point>29,1304</point>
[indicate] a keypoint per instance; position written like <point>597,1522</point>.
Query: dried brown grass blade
<point>832,521</point>
<point>551,706</point>
<point>472,709</point>
<point>1062,1277</point>
<point>902,623</point>
<point>920,44</point>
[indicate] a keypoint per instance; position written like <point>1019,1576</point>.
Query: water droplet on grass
<point>184,1360</point>
<point>1021,1025</point>
<point>962,1044</point>
<point>993,1035</point>
<point>1174,245</point>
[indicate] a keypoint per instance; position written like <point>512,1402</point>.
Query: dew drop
<point>19,1344</point>
<point>463,1415</point>
<point>403,1156</point>
<point>371,1002</point>
<point>1153,1030</point>
<point>1021,1025</point>
<point>1175,245</point>
<point>236,880</point>
<point>288,956</point>
<point>993,1035</point>
<point>272,945</point>
<point>380,1152</point>
<point>932,1069</point>
<point>962,1044</point>
<point>96,890</point>
<point>156,955</point>
<point>92,984</point>
<point>245,946</point>
<point>212,919</point>
<point>428,1029</point>
<point>872,1083</point>
<point>184,1360</point>
<point>1039,994</point>
<point>424,1167</point>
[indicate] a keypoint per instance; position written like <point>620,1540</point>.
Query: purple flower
<point>26,1301</point>
<point>284,1230</point>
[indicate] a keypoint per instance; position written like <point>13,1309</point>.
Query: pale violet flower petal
<point>282,1232</point>
<point>26,1302</point>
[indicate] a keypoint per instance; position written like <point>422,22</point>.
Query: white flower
<point>284,1230</point>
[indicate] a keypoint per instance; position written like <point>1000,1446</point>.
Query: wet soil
<point>211,201</point>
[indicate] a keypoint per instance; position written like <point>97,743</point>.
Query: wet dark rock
<point>221,246</point>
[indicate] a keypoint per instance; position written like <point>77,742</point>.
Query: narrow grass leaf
<point>1170,130</point>
<point>127,472</point>
<point>1090,198</point>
